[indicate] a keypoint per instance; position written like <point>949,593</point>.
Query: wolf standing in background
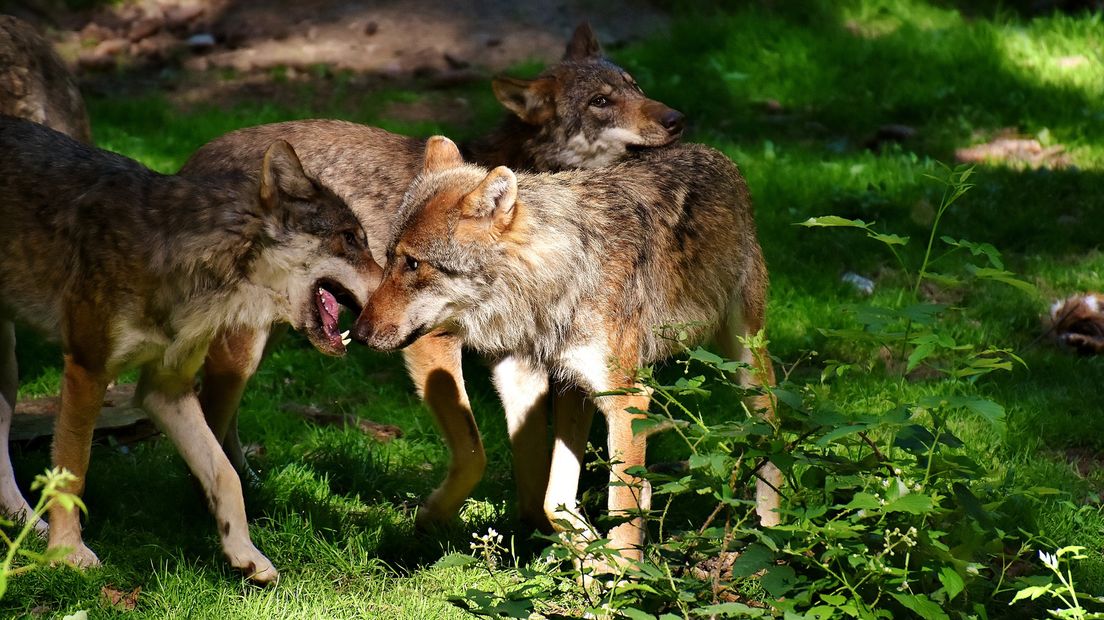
<point>129,268</point>
<point>35,85</point>
<point>584,111</point>
<point>573,275</point>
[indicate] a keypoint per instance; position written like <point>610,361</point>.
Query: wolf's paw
<point>256,567</point>
<point>82,557</point>
<point>432,515</point>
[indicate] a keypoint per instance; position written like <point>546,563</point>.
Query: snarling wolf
<point>1078,322</point>
<point>34,83</point>
<point>575,275</point>
<point>128,268</point>
<point>583,99</point>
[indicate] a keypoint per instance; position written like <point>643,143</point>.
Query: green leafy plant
<point>51,483</point>
<point>1064,591</point>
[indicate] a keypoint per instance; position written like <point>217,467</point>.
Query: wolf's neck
<point>543,283</point>
<point>506,146</point>
<point>208,228</point>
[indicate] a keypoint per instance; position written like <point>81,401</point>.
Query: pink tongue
<point>328,310</point>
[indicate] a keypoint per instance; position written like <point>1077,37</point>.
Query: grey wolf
<point>574,275</point>
<point>35,85</point>
<point>1078,322</point>
<point>583,101</point>
<point>128,268</point>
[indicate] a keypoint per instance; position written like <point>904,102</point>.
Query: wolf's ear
<point>441,154</point>
<point>583,44</point>
<point>494,202</point>
<point>282,172</point>
<point>531,100</point>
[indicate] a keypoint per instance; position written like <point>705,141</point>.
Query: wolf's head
<point>454,222</point>
<point>588,111</point>
<point>314,252</point>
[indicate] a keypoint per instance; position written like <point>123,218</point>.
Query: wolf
<point>128,268</point>
<point>574,276</point>
<point>585,111</point>
<point>1078,322</point>
<point>35,84</point>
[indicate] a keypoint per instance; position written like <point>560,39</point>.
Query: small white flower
<point>1050,560</point>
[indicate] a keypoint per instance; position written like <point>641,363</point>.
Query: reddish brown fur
<point>1078,322</point>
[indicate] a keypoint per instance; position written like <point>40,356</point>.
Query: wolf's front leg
<point>523,390</point>
<point>12,502</point>
<point>172,404</point>
<point>82,392</point>
<point>232,359</point>
<point>434,364</point>
<point>628,494</point>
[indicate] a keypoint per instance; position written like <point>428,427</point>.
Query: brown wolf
<point>574,275</point>
<point>35,84</point>
<point>129,268</point>
<point>584,99</point>
<point>1078,322</point>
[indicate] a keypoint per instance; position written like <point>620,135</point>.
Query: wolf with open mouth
<point>128,268</point>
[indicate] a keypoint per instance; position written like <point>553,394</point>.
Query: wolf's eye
<point>411,263</point>
<point>599,101</point>
<point>351,239</point>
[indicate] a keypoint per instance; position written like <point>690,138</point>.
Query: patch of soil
<point>1018,152</point>
<point>388,39</point>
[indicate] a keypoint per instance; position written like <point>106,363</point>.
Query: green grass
<point>335,509</point>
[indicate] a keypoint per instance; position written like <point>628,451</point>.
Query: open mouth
<point>329,297</point>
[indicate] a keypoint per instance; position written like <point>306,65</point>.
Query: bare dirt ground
<point>175,42</point>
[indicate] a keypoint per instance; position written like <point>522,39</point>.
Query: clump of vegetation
<point>19,559</point>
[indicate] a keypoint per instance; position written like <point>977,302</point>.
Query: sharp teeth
<point>344,334</point>
<point>345,341</point>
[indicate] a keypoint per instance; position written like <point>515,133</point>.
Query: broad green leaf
<point>863,501</point>
<point>977,249</point>
<point>889,239</point>
<point>913,503</point>
<point>729,610</point>
<point>708,357</point>
<point>952,581</point>
<point>834,221</point>
<point>1032,592</point>
<point>1004,277</point>
<point>919,354</point>
<point>833,599</point>
<point>778,580</point>
<point>754,558</point>
<point>922,605</point>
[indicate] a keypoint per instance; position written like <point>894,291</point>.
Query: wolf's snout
<point>673,121</point>
<point>364,330</point>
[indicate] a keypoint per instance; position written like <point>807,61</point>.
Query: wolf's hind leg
<point>523,390</point>
<point>231,360</point>
<point>745,320</point>
<point>169,399</point>
<point>433,362</point>
<point>12,502</point>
